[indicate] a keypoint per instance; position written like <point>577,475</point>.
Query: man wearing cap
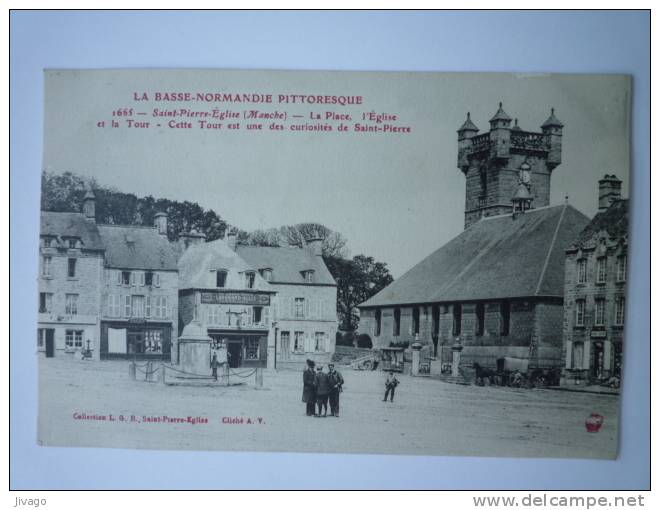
<point>336,382</point>
<point>322,390</point>
<point>309,391</point>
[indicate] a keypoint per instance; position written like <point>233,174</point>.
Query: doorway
<point>234,353</point>
<point>50,343</point>
<point>135,342</point>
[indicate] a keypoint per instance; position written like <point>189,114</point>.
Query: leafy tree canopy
<point>357,279</point>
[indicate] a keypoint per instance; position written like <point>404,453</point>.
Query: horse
<point>482,374</point>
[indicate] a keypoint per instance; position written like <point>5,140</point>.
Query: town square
<point>427,417</point>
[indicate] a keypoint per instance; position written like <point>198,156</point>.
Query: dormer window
<point>266,273</point>
<point>48,241</point>
<point>71,242</point>
<point>249,279</point>
<point>220,278</point>
<point>308,276</point>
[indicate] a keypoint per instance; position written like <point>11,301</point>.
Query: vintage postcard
<point>343,262</point>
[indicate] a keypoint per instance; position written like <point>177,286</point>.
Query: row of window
<point>252,316</point>
<point>137,306</point>
<point>266,274</point>
<point>70,303</point>
<point>599,311</point>
<point>68,242</point>
<point>303,308</point>
<point>133,278</point>
<point>302,343</point>
<point>47,266</point>
<point>601,269</point>
<point>457,319</point>
<point>73,338</point>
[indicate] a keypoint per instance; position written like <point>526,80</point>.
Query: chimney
<point>609,191</point>
<point>89,205</point>
<point>192,238</point>
<point>160,222</point>
<point>232,237</point>
<point>315,245</point>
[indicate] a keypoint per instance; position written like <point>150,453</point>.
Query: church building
<point>497,289</point>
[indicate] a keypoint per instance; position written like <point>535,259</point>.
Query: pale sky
<point>397,197</point>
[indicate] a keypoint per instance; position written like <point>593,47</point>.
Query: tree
<point>357,280</point>
<point>334,244</point>
<point>65,192</point>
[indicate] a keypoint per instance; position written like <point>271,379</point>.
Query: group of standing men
<point>320,387</point>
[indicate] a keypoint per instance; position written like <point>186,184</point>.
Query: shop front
<point>136,339</point>
<point>244,349</point>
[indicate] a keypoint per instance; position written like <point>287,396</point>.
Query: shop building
<point>229,299</point>
<point>70,270</point>
<point>304,311</point>
<point>139,311</point>
<point>595,283</point>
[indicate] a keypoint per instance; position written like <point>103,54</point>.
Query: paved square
<point>427,417</point>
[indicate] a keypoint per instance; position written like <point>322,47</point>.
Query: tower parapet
<point>492,161</point>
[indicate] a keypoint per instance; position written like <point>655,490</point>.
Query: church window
<point>505,318</point>
<point>456,330</point>
<point>377,316</point>
<point>415,322</point>
<point>397,322</point>
<point>479,312</point>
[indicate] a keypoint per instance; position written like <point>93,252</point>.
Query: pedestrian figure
<point>322,384</point>
<point>336,383</point>
<point>390,385</point>
<point>214,367</point>
<point>309,390</point>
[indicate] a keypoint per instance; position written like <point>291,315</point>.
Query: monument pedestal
<point>194,347</point>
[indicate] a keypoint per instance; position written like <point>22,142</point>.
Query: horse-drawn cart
<point>516,372</point>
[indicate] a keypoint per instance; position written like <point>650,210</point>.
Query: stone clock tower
<point>507,163</point>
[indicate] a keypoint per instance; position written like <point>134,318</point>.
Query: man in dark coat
<point>390,385</point>
<point>309,390</point>
<point>336,383</point>
<point>322,391</point>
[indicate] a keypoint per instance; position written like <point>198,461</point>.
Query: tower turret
<point>500,134</point>
<point>507,167</point>
<point>465,133</point>
<point>552,129</point>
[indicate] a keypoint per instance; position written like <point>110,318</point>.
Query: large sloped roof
<point>614,221</point>
<point>63,224</point>
<point>495,258</point>
<point>136,248</point>
<point>199,263</point>
<point>287,263</point>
